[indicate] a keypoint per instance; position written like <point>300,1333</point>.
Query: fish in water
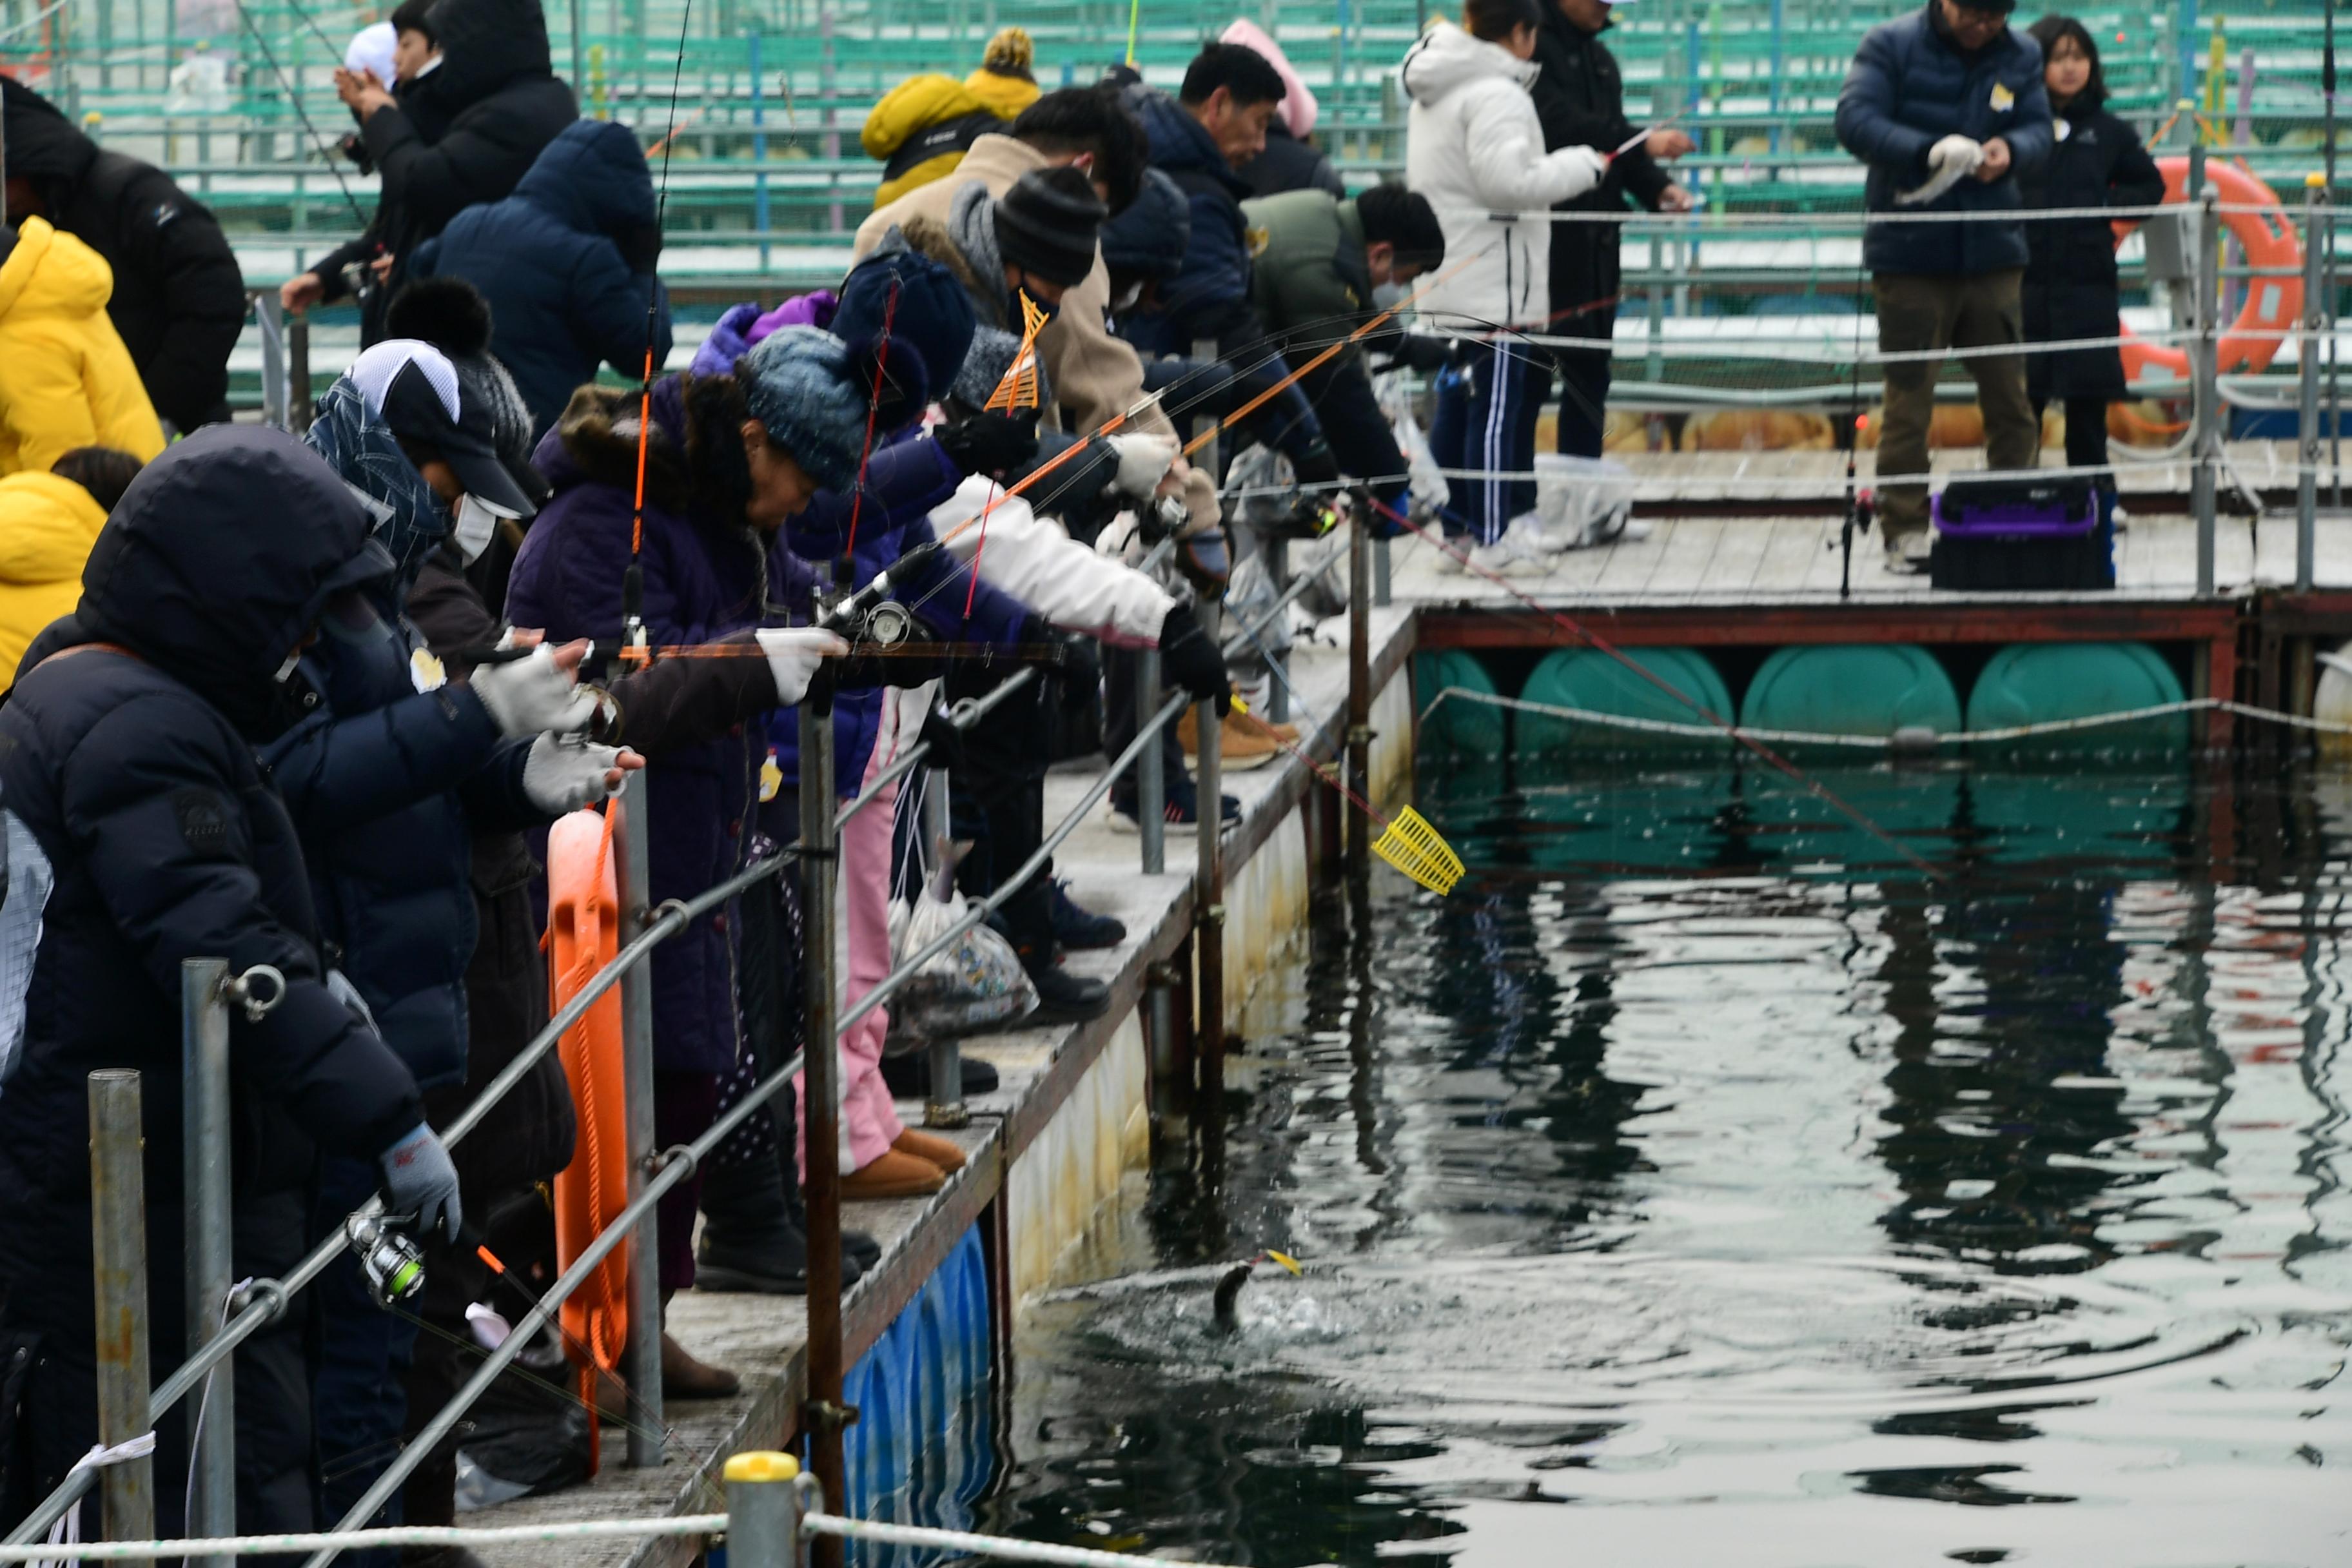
<point>1229,1287</point>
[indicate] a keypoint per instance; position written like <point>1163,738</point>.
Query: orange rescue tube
<point>583,933</point>
<point>2273,305</point>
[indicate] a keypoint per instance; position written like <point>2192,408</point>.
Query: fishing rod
<point>633,581</point>
<point>1594,640</point>
<point>319,143</point>
<point>1857,515</point>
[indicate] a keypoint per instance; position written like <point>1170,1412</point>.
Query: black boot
<point>1064,997</point>
<point>750,1239</point>
<point>908,1077</point>
<point>859,1251</point>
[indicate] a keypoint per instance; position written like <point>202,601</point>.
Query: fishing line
<point>319,143</point>
<point>873,411</point>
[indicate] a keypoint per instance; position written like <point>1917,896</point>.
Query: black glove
<point>991,444</point>
<point>1189,659</point>
<point>945,741</point>
<point>1315,465</point>
<point>1424,352</point>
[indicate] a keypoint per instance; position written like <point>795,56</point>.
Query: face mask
<point>476,526</point>
<point>1020,319</point>
<point>1126,301</point>
<point>1389,295</point>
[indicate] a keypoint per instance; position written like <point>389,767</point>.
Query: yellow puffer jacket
<point>66,380</point>
<point>47,524</point>
<point>922,102</point>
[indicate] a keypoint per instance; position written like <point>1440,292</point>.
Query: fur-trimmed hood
<point>595,442</point>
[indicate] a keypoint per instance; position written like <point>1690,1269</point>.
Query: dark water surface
<point>1700,1184</point>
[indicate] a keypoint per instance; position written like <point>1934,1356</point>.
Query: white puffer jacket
<point>1033,558</point>
<point>1476,149</point>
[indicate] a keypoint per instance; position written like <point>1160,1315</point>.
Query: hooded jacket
<point>1911,86</point>
<point>386,779</point>
<point>922,128</point>
<point>130,758</point>
<point>705,577</point>
<point>2070,288</point>
<point>555,260</point>
<point>466,133</point>
<point>179,298</point>
<point>66,380</point>
<point>1580,99</point>
<point>47,524</point>
<point>1475,147</point>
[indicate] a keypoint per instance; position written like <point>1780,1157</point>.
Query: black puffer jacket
<point>132,766</point>
<point>1580,99</point>
<point>2070,263</point>
<point>467,132</point>
<point>179,298</point>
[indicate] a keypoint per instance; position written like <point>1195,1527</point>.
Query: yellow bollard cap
<point>2314,181</point>
<point>763,1465</point>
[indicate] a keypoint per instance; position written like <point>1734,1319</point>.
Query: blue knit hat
<point>934,313</point>
<point>809,390</point>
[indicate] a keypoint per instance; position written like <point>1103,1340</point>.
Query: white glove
<point>793,654</point>
<point>531,696</point>
<point>1962,150</point>
<point>1143,462</point>
<point>560,776</point>
<point>1585,168</point>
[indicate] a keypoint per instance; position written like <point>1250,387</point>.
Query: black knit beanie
<point>1046,222</point>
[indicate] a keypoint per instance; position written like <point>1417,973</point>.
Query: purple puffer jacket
<point>702,579</point>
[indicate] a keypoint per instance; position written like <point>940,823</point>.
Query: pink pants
<point>870,1121</point>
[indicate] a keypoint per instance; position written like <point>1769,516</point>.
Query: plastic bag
<point>1583,501</point>
<point>975,985</point>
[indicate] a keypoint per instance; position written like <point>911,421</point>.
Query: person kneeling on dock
<point>1948,109</point>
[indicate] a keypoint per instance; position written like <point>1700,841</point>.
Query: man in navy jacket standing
<point>1947,107</point>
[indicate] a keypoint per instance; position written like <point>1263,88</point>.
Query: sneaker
<point>2118,519</point>
<point>1065,998</point>
<point>1906,554</point>
<point>1239,746</point>
<point>1082,929</point>
<point>1524,549</point>
<point>1449,557</point>
<point>1182,813</point>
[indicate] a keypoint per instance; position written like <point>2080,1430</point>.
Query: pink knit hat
<point>1299,109</point>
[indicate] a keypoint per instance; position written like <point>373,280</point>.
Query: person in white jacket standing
<point>1476,149</point>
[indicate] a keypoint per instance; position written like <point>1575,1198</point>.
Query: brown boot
<point>923,1146</point>
<point>1241,744</point>
<point>684,1377</point>
<point>894,1175</point>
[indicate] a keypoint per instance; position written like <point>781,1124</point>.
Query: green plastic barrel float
<point>2042,683</point>
<point>1591,682</point>
<point>1861,689</point>
<point>1458,727</point>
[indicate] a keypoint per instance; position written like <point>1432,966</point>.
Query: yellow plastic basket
<point>1414,848</point>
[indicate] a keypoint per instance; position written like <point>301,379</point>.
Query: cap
<point>415,391</point>
<point>1046,224</point>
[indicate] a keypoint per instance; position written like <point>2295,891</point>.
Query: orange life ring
<point>2272,305</point>
<point>583,933</point>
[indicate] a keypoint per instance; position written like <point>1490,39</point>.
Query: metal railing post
<point>205,1199</point>
<point>944,1106</point>
<point>1359,688</point>
<point>2307,367</point>
<point>298,374</point>
<point>1381,594</point>
<point>1150,770</point>
<point>1278,654</point>
<point>117,1222</point>
<point>823,1418</point>
<point>1209,886</point>
<point>763,1510</point>
<point>2206,449</point>
<point>644,1347</point>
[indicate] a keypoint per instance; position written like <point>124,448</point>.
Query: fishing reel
<point>1311,516</point>
<point>389,1257</point>
<point>1161,517</point>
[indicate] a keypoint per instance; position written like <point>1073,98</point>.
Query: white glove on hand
<point>560,776</point>
<point>1585,167</point>
<point>1143,462</point>
<point>1965,151</point>
<point>531,696</point>
<point>793,654</point>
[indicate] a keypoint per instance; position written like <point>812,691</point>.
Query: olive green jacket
<point>1311,284</point>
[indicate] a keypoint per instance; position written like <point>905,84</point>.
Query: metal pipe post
<point>1150,770</point>
<point>1209,892</point>
<point>823,1418</point>
<point>298,374</point>
<point>579,56</point>
<point>118,1225</point>
<point>2306,366</point>
<point>763,1510</point>
<point>944,1107</point>
<point>1381,594</point>
<point>204,1196</point>
<point>645,1350</point>
<point>2205,450</point>
<point>1277,653</point>
<point>1359,690</point>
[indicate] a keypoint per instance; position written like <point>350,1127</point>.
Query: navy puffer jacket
<point>388,779</point>
<point>566,265</point>
<point>1909,88</point>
